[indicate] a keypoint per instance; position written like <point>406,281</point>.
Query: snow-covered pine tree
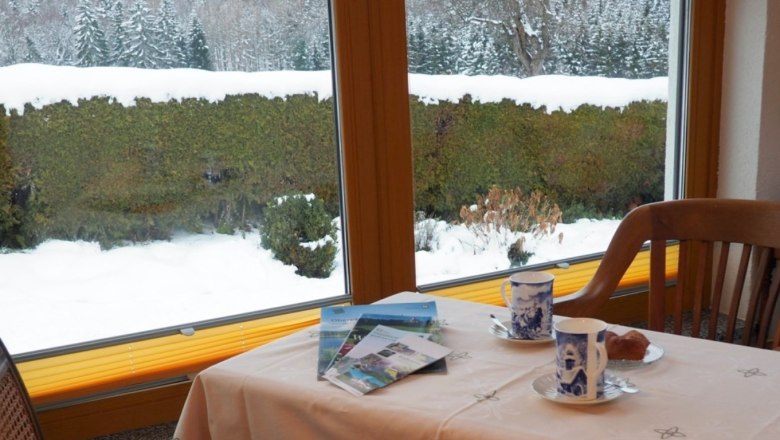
<point>142,47</point>
<point>444,50</point>
<point>320,55</point>
<point>300,56</point>
<point>119,55</point>
<point>652,38</point>
<point>33,7</point>
<point>629,38</point>
<point>169,37</point>
<point>91,47</point>
<point>433,49</point>
<point>198,56</point>
<point>309,56</point>
<point>416,55</point>
<point>479,53</point>
<point>14,4</point>
<point>571,38</point>
<point>32,55</point>
<point>104,7</point>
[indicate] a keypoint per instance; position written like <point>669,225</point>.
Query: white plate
<point>547,387</point>
<point>502,334</point>
<point>652,354</point>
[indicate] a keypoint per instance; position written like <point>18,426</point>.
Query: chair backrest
<point>728,249</point>
<point>17,416</point>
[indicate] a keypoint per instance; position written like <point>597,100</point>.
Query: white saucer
<point>652,354</point>
<point>502,334</point>
<point>547,387</point>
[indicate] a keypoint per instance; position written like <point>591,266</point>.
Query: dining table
<point>494,387</point>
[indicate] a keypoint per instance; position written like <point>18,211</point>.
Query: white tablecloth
<point>698,390</point>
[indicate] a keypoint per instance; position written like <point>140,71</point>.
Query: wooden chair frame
<point>707,230</point>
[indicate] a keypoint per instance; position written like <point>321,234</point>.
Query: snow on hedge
<point>40,85</point>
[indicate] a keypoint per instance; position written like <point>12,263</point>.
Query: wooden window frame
<point>371,70</point>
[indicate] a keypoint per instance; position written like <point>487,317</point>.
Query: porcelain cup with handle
<point>530,301</point>
<point>581,357</point>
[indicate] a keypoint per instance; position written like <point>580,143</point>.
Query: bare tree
<point>528,25</point>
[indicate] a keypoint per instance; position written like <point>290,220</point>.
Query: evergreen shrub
<point>299,231</point>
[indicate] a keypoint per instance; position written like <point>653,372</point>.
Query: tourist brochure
<point>336,323</point>
<point>380,359</point>
<point>376,338</point>
<point>422,325</point>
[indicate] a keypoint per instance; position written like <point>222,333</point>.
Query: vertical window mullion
<point>373,111</point>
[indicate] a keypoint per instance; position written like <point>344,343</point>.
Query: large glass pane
<point>536,125</point>
<point>162,163</point>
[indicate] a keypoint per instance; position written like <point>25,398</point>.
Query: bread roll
<point>631,346</point>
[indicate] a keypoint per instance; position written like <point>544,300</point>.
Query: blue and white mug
<point>531,304</point>
<point>581,357</point>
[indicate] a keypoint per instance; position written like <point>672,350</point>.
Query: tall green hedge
<point>591,158</point>
<point>8,212</point>
<point>101,171</point>
<point>111,173</point>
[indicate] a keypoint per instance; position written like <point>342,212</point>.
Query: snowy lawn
<point>67,292</point>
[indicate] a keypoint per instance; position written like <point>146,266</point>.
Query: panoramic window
<point>163,162</point>
<point>536,125</point>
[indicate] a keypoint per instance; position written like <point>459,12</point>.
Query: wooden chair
<point>728,249</point>
<point>18,420</point>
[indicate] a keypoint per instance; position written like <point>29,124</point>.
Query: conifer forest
<point>614,38</point>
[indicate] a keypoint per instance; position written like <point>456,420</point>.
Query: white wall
<point>750,117</point>
<point>749,162</point>
<point>769,140</point>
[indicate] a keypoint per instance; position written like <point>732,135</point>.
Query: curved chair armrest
<point>633,231</point>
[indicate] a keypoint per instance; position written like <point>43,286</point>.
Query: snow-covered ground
<point>458,254</point>
<point>67,292</point>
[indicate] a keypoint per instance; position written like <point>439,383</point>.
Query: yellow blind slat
<point>83,373</point>
<point>567,280</point>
